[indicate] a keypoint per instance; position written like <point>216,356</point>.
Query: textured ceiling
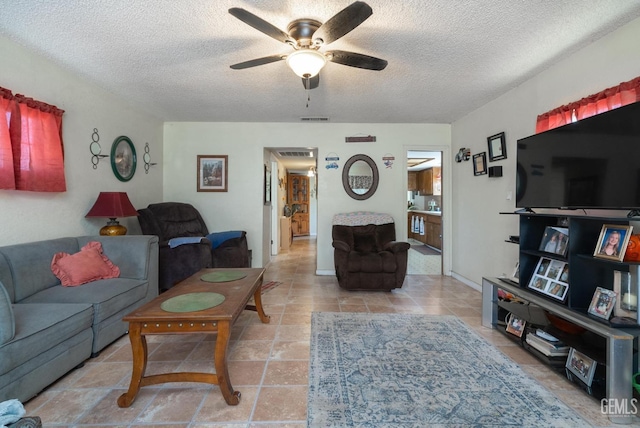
<point>446,57</point>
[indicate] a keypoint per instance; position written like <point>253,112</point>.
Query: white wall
<point>479,231</point>
<point>241,207</point>
<point>32,216</point>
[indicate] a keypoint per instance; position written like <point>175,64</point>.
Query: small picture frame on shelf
<point>480,163</point>
<point>551,278</point>
<point>581,366</point>
<point>555,240</point>
<point>602,303</point>
<point>613,241</point>
<point>515,325</point>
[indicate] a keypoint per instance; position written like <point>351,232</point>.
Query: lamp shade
<point>306,62</point>
<point>112,205</point>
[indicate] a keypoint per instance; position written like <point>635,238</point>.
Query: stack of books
<point>547,344</point>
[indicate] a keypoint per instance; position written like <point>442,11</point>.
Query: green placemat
<point>192,302</point>
<point>223,276</point>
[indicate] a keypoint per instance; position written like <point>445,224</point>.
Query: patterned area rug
<point>406,370</point>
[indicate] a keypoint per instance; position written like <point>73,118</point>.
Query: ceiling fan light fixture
<point>306,63</point>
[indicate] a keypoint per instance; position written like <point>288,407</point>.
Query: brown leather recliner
<point>173,222</point>
<point>368,257</point>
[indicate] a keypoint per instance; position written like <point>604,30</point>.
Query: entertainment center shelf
<point>619,350</point>
<point>615,349</point>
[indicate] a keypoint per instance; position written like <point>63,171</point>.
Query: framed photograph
<point>555,240</point>
<point>581,366</point>
<point>480,163</point>
<point>602,303</point>
<point>613,241</point>
<point>551,278</point>
<point>212,173</point>
<point>267,186</point>
<point>515,325</point>
<point>497,147</point>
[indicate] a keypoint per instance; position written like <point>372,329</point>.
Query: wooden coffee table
<point>152,319</point>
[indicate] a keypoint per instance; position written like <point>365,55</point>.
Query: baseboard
<point>467,282</point>
<point>325,272</point>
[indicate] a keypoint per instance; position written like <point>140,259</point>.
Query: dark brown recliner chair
<point>179,227</point>
<point>367,257</point>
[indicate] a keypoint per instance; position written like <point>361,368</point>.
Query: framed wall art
<point>212,173</point>
<point>480,163</point>
<point>267,186</point>
<point>123,158</point>
<point>497,147</point>
<point>613,241</point>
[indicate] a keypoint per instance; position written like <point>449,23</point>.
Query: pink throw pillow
<point>85,266</point>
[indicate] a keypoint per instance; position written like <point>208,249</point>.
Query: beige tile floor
<point>268,363</point>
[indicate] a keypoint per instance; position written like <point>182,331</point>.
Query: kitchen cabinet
<point>413,181</point>
<point>298,198</point>
<point>429,181</point>
<point>432,228</point>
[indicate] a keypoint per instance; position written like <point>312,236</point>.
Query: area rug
<point>268,286</point>
<point>426,250</point>
<point>408,370</point>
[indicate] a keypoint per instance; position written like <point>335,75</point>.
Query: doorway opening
<point>424,212</point>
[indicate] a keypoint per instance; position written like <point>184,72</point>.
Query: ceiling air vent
<point>314,119</point>
<point>292,154</point>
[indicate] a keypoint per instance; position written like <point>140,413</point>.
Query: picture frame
<point>497,147</point>
<point>551,278</point>
<point>613,241</point>
<point>480,163</point>
<point>267,185</point>
<point>555,240</point>
<point>602,303</point>
<point>515,325</point>
<point>582,366</point>
<point>213,173</point>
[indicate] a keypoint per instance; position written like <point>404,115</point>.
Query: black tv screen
<point>591,163</point>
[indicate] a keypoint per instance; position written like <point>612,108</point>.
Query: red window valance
<point>31,147</point>
<point>609,99</point>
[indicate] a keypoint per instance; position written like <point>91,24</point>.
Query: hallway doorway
<point>424,216</point>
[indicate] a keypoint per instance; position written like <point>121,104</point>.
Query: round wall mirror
<point>360,177</point>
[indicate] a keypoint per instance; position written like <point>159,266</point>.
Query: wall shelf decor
<point>95,149</point>
<point>146,157</point>
<point>123,158</point>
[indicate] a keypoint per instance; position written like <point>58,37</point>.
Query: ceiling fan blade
<point>260,24</point>
<point>353,59</point>
<point>343,22</point>
<point>312,82</point>
<point>258,61</point>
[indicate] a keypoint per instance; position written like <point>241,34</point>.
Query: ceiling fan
<point>307,36</point>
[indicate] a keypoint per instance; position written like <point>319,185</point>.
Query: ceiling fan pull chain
<point>308,98</point>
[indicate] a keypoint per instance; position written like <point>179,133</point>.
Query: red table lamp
<point>112,205</point>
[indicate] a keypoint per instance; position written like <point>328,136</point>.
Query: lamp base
<point>113,228</point>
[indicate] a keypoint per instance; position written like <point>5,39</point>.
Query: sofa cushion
<point>108,296</point>
<point>7,323</point>
<point>40,327</point>
<point>89,264</point>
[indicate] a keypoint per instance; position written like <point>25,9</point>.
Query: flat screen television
<point>591,163</point>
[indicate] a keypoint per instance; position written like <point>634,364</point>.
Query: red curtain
<point>609,99</point>
<point>37,151</point>
<point>7,177</point>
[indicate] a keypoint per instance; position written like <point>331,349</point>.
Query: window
<point>609,99</point>
<point>31,148</point>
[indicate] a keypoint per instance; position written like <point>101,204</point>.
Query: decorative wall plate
<point>123,158</point>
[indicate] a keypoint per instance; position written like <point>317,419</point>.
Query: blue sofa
<point>46,329</point>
